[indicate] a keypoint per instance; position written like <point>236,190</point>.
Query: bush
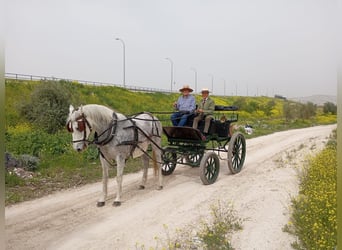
<point>268,107</point>
<point>294,110</point>
<point>29,162</point>
<point>251,107</point>
<point>216,232</point>
<point>307,110</point>
<point>329,107</point>
<point>25,143</point>
<point>36,142</point>
<point>314,217</point>
<point>48,107</point>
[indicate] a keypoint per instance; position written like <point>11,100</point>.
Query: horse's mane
<point>98,113</point>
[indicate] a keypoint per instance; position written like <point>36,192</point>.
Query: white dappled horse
<point>117,137</point>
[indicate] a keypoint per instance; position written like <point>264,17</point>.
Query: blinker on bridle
<point>82,122</point>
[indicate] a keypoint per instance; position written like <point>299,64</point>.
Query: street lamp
<point>124,57</point>
<point>212,83</point>
<point>224,87</point>
<point>171,62</point>
<point>193,69</point>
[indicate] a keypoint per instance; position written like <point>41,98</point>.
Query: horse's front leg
<point>158,161</point>
<point>120,167</point>
<point>144,161</point>
<point>102,201</point>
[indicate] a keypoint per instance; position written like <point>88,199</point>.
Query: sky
<point>232,47</point>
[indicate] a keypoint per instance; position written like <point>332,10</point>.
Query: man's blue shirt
<point>186,103</point>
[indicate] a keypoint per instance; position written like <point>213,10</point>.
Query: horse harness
<point>82,122</point>
<point>136,129</point>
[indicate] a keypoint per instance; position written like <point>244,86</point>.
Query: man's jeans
<point>179,118</point>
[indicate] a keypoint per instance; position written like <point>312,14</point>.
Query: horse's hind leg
<point>144,162</point>
<point>158,170</point>
<point>160,175</point>
<point>101,202</point>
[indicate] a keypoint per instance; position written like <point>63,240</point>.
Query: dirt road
<point>261,194</point>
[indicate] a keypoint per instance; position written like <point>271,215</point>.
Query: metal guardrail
<point>16,76</point>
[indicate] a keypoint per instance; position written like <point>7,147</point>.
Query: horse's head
<point>78,125</point>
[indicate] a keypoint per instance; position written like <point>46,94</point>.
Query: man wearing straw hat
<point>205,111</point>
<point>185,106</point>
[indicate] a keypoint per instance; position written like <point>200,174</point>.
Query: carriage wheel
<point>236,152</point>
<point>169,158</point>
<point>209,168</point>
<point>193,159</point>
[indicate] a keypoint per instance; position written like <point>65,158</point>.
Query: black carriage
<point>188,146</point>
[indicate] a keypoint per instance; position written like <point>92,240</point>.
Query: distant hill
<point>316,99</point>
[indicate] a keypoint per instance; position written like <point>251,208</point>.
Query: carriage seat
<point>217,127</point>
<point>220,126</point>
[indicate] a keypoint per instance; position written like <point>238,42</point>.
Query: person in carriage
<point>185,107</point>
<point>205,111</point>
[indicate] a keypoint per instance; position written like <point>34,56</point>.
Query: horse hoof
<point>100,203</point>
<point>116,203</point>
<point>160,188</point>
<point>141,187</point>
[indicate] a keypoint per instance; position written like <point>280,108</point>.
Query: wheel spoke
<point>209,171</point>
<point>209,168</point>
<point>236,153</point>
<point>193,159</point>
<point>169,162</point>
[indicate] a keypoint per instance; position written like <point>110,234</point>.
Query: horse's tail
<point>155,165</point>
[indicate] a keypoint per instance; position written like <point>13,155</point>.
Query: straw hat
<point>205,90</point>
<point>186,87</point>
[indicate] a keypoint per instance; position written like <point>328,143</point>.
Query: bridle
<point>82,122</point>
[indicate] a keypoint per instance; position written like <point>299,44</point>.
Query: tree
<point>329,107</point>
<point>307,110</point>
<point>289,110</point>
<point>48,106</point>
<point>294,110</point>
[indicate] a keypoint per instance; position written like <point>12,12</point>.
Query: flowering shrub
<point>22,140</point>
<point>216,232</point>
<point>314,210</point>
<point>326,119</point>
<point>20,128</point>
